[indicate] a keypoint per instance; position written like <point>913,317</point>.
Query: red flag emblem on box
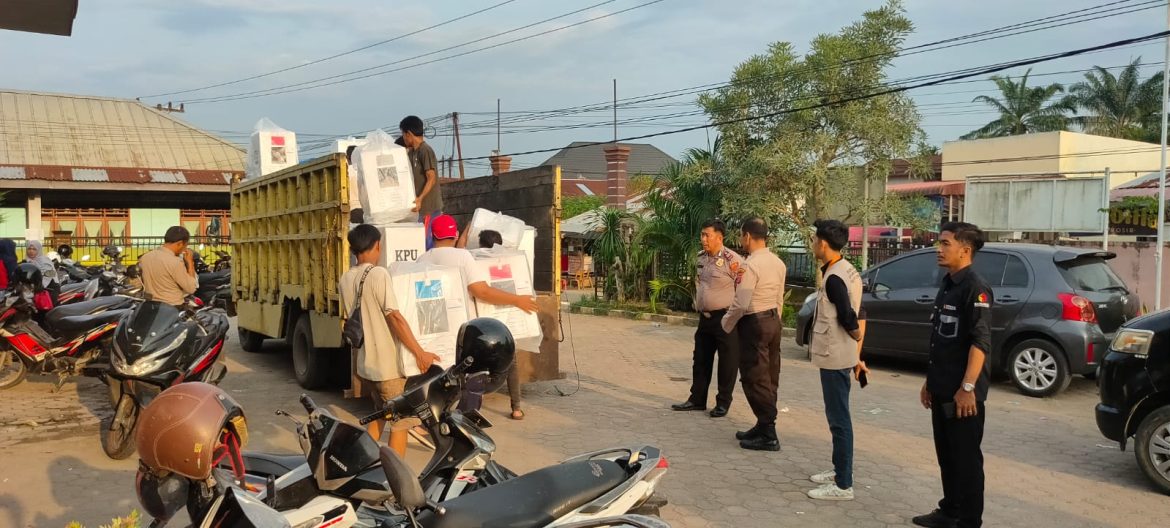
<point>278,141</point>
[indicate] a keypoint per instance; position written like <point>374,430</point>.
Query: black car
<point>1135,393</point>
<point>1054,313</point>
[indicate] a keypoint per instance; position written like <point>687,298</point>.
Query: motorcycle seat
<point>534,499</point>
<point>74,286</point>
<point>101,304</point>
<point>271,464</point>
<point>215,277</point>
<point>76,324</point>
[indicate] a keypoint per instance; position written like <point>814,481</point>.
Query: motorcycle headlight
<point>150,362</point>
<point>1132,341</point>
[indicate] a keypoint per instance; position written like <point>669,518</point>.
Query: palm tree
<point>1122,106</point>
<point>1023,109</point>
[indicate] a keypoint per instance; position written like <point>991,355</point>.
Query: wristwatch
<point>969,387</point>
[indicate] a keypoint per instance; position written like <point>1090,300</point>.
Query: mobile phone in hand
<point>863,379</point>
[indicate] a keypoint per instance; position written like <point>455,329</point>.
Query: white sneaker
<point>831,492</point>
<point>825,477</point>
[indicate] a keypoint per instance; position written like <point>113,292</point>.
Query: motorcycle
<point>67,341</point>
<point>332,469</point>
<point>157,346</point>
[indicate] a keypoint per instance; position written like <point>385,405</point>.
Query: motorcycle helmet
<point>161,493</point>
<point>28,274</point>
<point>65,251</point>
<point>490,345</point>
<point>182,429</point>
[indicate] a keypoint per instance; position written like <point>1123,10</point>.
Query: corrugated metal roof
<point>585,160</point>
<point>38,129</point>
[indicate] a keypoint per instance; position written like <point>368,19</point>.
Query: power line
<point>335,56</point>
<point>302,86</point>
<point>966,73</point>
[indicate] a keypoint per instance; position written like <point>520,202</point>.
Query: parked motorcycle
<point>155,347</point>
<point>62,341</point>
<point>339,464</point>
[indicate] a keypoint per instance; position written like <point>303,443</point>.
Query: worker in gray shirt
<point>717,271</point>
<point>755,316</point>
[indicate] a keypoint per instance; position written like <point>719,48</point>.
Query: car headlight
<point>1132,341</point>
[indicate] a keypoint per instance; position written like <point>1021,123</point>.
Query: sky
<point>148,48</point>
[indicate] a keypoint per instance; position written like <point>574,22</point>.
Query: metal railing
<point>132,247</point>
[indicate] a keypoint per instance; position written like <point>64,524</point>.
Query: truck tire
<point>1153,448</point>
<point>250,341</point>
<point>309,365</point>
<point>1038,368</point>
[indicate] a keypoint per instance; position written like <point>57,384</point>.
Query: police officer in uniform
<point>957,378</point>
<point>755,315</point>
<point>717,270</point>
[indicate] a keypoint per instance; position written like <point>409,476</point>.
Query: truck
<point>289,242</point>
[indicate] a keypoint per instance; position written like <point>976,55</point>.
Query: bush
<point>130,521</point>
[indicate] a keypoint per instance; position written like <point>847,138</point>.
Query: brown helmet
<point>180,430</point>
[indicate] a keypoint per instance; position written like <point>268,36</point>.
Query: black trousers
<point>957,443</point>
<point>709,340</point>
<point>759,363</point>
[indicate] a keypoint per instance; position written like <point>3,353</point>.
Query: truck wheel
<point>309,365</point>
<point>250,341</point>
<point>1038,368</point>
<point>1153,448</point>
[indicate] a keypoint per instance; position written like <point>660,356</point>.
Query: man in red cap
<point>446,233</point>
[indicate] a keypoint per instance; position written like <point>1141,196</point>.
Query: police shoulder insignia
<point>719,262</point>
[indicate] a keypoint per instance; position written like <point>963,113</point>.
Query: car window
<point>1016,273</point>
<point>1090,274</point>
<point>990,266</point>
<point>918,271</point>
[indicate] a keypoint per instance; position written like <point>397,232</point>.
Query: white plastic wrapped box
<point>511,229</point>
<point>508,271</point>
<point>272,149</point>
<point>402,243</point>
<point>385,182</point>
<point>433,300</point>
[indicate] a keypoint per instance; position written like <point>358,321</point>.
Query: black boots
<point>759,438</point>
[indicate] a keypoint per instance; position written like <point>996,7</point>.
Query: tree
<point>574,205</point>
<point>793,142</point>
<point>1121,106</point>
<point>1024,109</point>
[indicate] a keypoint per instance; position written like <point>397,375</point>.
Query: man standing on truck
<point>168,273</point>
<point>378,365</point>
<point>423,165</point>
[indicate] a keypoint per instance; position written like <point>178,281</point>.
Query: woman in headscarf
<point>35,253</point>
<point>8,260</point>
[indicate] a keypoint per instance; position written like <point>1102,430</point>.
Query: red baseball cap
<point>444,227</point>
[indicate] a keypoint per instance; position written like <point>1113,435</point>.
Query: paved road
<point>1047,465</point>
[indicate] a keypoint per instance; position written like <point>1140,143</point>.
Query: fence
<point>132,247</point>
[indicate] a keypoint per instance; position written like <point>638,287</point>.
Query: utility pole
<point>615,111</point>
<point>458,144</point>
<point>498,126</point>
<point>1162,177</point>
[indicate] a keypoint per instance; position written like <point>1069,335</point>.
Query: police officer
<point>717,270</point>
<point>755,316</point>
<point>957,378</point>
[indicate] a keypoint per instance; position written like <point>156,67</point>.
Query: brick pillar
<point>500,164</point>
<point>616,157</point>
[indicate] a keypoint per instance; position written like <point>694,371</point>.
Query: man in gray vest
<point>835,333</point>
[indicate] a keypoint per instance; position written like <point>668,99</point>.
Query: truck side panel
<point>289,237</point>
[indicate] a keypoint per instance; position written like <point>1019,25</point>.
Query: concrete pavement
<point>1046,463</point>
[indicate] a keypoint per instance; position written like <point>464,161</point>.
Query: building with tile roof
<point>82,167</point>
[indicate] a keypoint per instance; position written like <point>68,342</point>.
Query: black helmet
<point>490,345</point>
<point>65,251</point>
<point>160,493</point>
<point>29,274</point>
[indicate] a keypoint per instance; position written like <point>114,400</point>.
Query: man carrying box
<point>446,234</point>
<point>423,164</point>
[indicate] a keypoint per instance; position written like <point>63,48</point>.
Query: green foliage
<point>130,521</point>
<point>792,167</point>
<point>1024,109</point>
<point>1122,106</point>
<point>622,254</point>
<point>574,205</point>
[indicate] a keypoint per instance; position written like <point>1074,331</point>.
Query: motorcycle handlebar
<point>308,403</point>
<point>376,416</point>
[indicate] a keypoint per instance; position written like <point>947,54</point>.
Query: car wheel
<point>308,362</point>
<point>250,341</point>
<point>1153,448</point>
<point>1038,368</point>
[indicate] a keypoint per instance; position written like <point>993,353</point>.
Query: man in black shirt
<point>424,166</point>
<point>957,379</point>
